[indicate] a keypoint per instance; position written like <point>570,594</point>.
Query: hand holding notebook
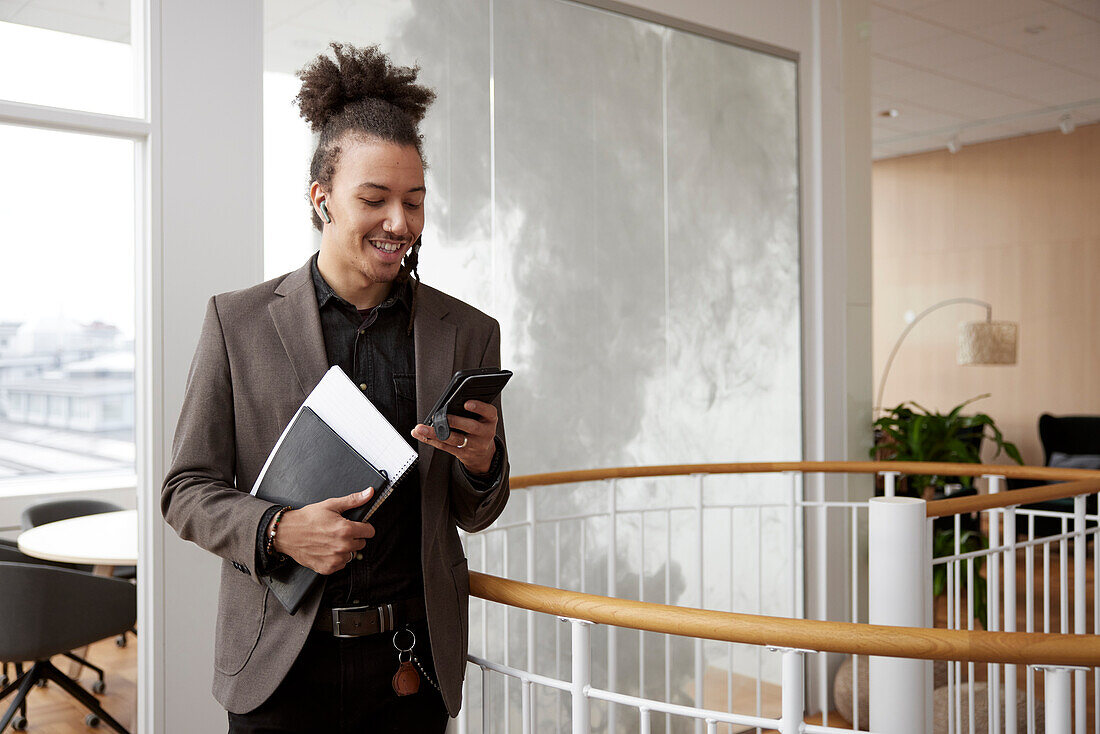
<point>336,444</point>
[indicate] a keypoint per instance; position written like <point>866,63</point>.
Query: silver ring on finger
<point>463,444</point>
<point>351,556</point>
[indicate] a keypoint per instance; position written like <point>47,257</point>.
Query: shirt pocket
<point>404,387</point>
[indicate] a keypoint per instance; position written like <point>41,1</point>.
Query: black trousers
<point>344,686</point>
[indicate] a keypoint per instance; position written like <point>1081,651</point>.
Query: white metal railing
<point>1002,559</point>
<point>684,543</point>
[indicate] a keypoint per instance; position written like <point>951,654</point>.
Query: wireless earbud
<point>324,213</point>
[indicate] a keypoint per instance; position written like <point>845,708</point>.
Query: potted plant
<point>917,434</point>
<point>910,432</point>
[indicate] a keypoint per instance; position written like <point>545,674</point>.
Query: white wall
<point>207,113</point>
<point>207,237</point>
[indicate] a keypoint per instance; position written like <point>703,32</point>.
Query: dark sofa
<point>1071,441</point>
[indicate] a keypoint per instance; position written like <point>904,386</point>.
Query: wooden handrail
<point>1027,496</point>
<point>823,467</point>
<point>1020,648</point>
<point>1073,481</point>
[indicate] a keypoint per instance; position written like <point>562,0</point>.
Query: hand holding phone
<point>482,384</point>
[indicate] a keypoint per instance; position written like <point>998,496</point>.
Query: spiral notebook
<point>337,443</point>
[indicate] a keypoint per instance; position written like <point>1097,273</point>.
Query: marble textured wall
<point>626,204</point>
<point>623,197</point>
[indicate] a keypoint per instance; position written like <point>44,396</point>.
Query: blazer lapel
<point>298,323</point>
<point>434,344</point>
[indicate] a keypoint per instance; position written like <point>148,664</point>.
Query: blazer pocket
<point>239,626</point>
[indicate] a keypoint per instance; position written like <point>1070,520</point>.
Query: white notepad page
<point>339,403</point>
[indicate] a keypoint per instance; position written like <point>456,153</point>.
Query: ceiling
<point>964,71</point>
<point>955,71</point>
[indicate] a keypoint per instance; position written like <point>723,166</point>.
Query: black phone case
<point>482,384</point>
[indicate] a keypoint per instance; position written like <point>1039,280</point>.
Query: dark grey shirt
<point>374,347</point>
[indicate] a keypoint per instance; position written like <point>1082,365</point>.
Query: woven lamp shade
<point>987,342</point>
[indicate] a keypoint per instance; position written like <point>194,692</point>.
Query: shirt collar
<point>400,293</point>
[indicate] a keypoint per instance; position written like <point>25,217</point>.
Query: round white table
<point>105,540</point>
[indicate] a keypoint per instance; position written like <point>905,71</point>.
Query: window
<point>67,224</point>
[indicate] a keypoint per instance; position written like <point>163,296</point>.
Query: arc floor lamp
<point>980,342</point>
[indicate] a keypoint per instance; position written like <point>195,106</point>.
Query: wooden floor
<point>50,710</point>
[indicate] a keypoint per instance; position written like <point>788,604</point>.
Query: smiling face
<point>376,204</point>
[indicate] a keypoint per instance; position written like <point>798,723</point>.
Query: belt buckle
<point>385,619</point>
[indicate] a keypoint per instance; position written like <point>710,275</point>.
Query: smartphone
<point>482,384</point>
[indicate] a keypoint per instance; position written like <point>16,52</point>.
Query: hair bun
<point>328,86</point>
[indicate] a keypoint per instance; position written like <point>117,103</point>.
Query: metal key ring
<point>411,645</point>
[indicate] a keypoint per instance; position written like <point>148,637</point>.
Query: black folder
<point>313,463</point>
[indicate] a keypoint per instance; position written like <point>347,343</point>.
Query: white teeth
<point>386,247</point>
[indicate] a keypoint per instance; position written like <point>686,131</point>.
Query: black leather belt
<point>366,620</point>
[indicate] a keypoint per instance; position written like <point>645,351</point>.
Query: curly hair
<point>361,93</point>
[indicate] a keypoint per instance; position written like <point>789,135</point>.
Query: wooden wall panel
<point>1013,222</point>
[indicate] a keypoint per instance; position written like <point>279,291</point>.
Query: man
<point>357,304</point>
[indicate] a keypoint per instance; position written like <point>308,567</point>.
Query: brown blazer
<point>260,353</point>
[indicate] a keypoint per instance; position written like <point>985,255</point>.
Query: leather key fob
<point>406,681</point>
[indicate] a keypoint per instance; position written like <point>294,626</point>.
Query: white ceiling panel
<point>1082,48</point>
<point>914,119</point>
<point>1047,26</point>
<point>912,85</point>
<point>1090,8</point>
<point>981,69</point>
<point>1055,88</point>
<point>905,5</point>
<point>881,69</point>
<point>972,102</point>
<point>898,31</point>
<point>942,50</point>
<point>966,15</point>
<point>1005,66</point>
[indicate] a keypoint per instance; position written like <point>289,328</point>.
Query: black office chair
<point>10,553</point>
<point>38,620</point>
<point>54,510</point>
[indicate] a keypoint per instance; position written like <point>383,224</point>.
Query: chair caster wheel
<point>4,680</point>
<point>91,720</point>
<point>99,686</point>
<point>19,723</point>
<point>120,641</point>
<point>41,682</point>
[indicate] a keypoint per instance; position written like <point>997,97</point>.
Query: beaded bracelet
<point>269,548</point>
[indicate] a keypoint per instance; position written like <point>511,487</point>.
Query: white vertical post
<point>898,596</point>
<point>582,673</point>
<point>699,668</point>
<point>792,521</point>
<point>464,714</point>
<point>612,570</point>
<point>890,482</point>
<point>793,695</point>
<point>1010,615</point>
<point>1080,543</point>
<point>531,527</point>
<point>526,711</point>
<point>993,605</point>
<point>1057,700</point>
<point>485,717</point>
